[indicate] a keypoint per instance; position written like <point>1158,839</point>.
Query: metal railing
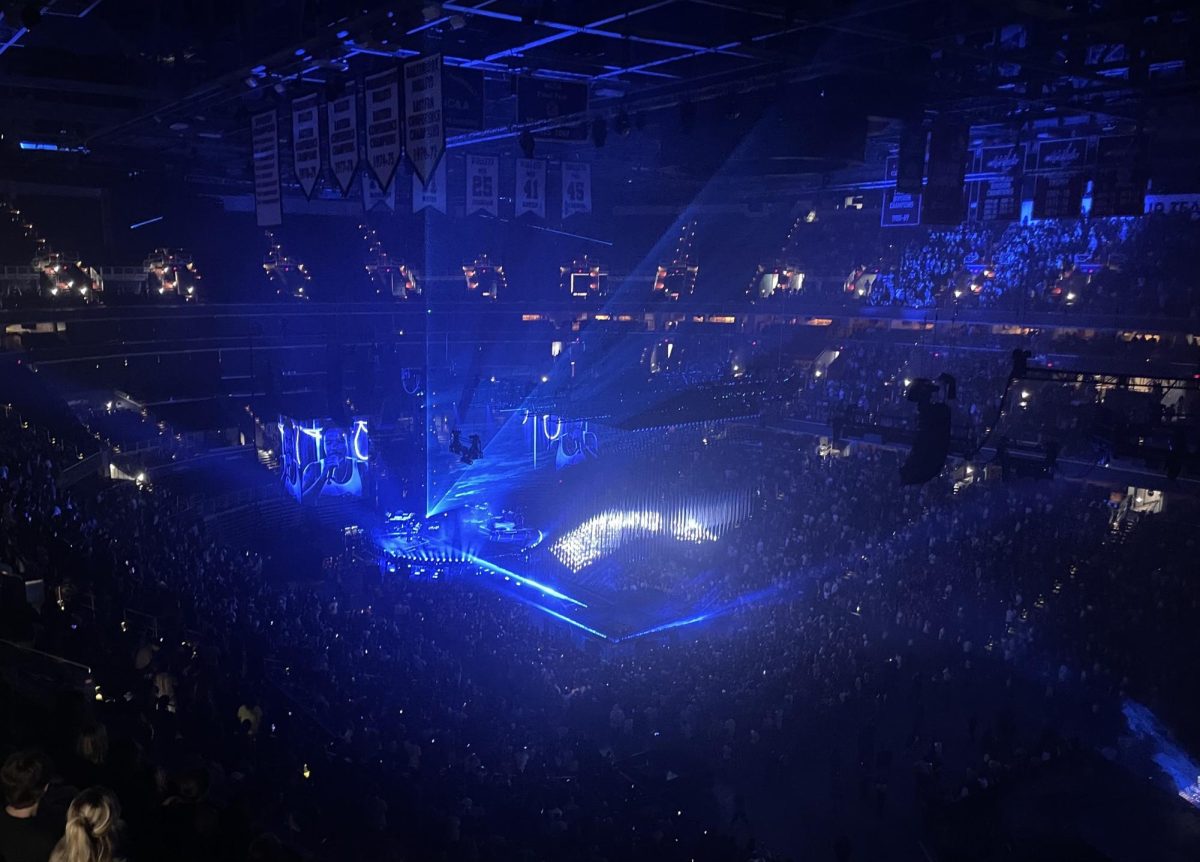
<point>140,621</point>
<point>18,663</point>
<point>92,465</point>
<point>57,659</point>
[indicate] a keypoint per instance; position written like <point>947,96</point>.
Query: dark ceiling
<point>144,83</point>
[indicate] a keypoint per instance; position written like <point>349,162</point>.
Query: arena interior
<point>614,431</point>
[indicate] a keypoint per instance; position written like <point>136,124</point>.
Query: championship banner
<point>1062,155</point>
<point>268,198</point>
<point>1119,182</point>
<point>483,185</point>
<point>462,98</point>
<point>431,194</point>
<point>306,143</point>
<point>1000,195</point>
<point>1058,197</point>
<point>425,128</point>
<point>343,140</point>
<point>542,99</point>
<point>900,210</point>
<point>576,188</point>
<point>383,126</point>
<point>375,198</point>
<point>1008,160</point>
<point>1000,199</point>
<point>530,194</point>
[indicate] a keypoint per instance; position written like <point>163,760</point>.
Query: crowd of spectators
<point>910,649</point>
<point>1107,266</point>
<point>867,384</point>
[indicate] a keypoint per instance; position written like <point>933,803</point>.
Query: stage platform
<point>614,574</point>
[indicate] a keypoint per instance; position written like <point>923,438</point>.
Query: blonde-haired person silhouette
<point>92,823</point>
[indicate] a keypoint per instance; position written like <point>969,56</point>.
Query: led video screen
<point>319,459</point>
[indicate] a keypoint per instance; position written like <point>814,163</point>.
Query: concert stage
<point>615,552</point>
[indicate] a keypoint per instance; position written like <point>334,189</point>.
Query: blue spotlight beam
<point>1170,757</point>
<point>676,624</point>
<point>581,236</point>
<point>521,579</point>
<point>495,469</point>
<point>740,601</point>
<point>567,619</point>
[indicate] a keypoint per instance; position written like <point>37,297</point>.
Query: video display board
<point>320,459</point>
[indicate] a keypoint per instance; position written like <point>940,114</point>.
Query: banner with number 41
<point>530,193</point>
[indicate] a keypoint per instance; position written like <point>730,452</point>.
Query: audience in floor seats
<point>924,646</point>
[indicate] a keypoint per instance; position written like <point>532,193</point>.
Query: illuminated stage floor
<point>639,539</point>
<point>598,586</point>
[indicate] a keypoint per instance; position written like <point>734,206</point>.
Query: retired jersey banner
<point>425,128</point>
<point>383,126</point>
<point>576,188</point>
<point>483,185</point>
<point>530,194</point>
<point>431,194</point>
<point>375,198</point>
<point>306,143</point>
<point>268,198</point>
<point>343,139</point>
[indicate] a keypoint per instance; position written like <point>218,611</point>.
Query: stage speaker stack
<point>947,172</point>
<point>910,162</point>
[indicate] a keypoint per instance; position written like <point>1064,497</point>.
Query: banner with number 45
<point>576,188</point>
